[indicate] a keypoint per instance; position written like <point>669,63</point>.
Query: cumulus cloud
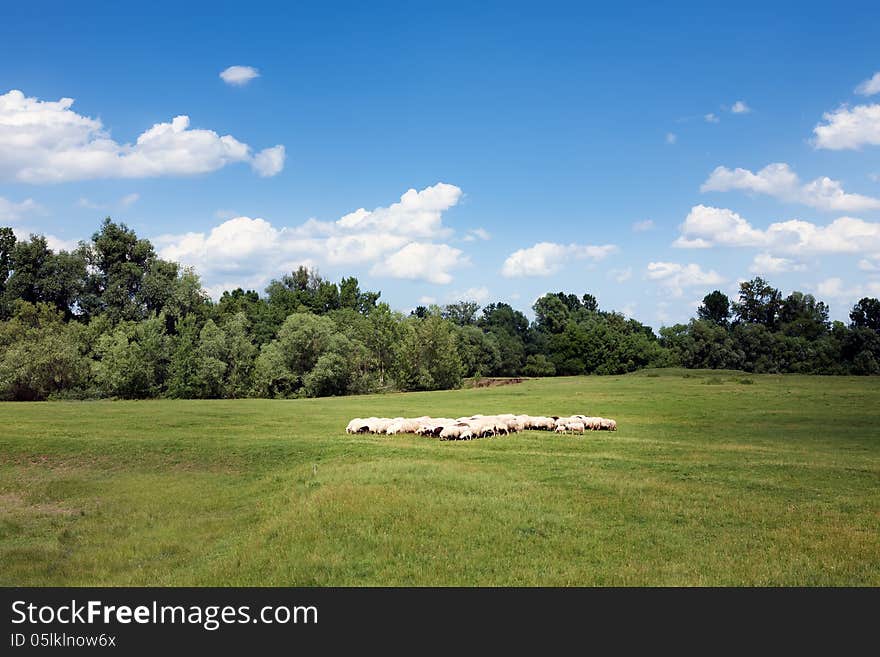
<point>675,277</point>
<point>642,226</point>
<point>239,76</point>
<point>711,118</point>
<point>849,128</point>
<point>247,252</point>
<point>129,199</point>
<point>835,288</point>
<point>764,263</point>
<point>778,180</point>
<point>269,161</point>
<point>705,227</point>
<point>870,86</point>
<point>740,107</point>
<point>424,261</point>
<point>46,142</point>
<point>546,258</point>
<point>11,211</point>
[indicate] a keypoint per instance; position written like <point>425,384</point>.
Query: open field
<point>714,478</point>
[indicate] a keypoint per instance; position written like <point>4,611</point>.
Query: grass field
<point>714,478</point>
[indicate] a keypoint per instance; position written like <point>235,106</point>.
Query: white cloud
<point>422,261</point>
<point>671,137</point>
<point>129,199</point>
<point>46,142</point>
<point>247,252</point>
<point>849,128</point>
<point>621,275</point>
<point>269,161</point>
<point>834,288</point>
<point>10,211</point>
<point>60,244</point>
<point>764,263</point>
<point>477,233</point>
<point>676,277</point>
<point>705,227</point>
<point>778,180</point>
<point>478,294</point>
<point>427,301</point>
<point>239,76</point>
<point>711,118</point>
<point>870,86</point>
<point>546,258</point>
<point>642,226</point>
<point>740,107</point>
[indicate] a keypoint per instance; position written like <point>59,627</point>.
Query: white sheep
<point>454,431</point>
<point>355,425</point>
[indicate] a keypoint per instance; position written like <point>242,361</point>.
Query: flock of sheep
<point>478,426</point>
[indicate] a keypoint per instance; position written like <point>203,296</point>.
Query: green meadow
<point>714,478</point>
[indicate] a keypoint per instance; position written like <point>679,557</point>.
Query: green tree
<point>183,367</point>
<point>715,308</point>
<point>866,314</point>
<point>759,303</point>
<point>478,351</point>
<point>463,313</point>
<point>539,365</point>
<point>41,276</point>
<point>241,354</point>
<point>382,339</point>
<point>118,262</point>
<point>800,315</point>
<point>551,313</point>
<point>134,359</point>
<point>7,245</point>
<point>427,355</point>
<point>40,354</point>
<point>212,361</point>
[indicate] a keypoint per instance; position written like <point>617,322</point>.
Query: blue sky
<point>550,146</point>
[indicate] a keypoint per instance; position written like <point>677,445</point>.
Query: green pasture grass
<point>772,483</point>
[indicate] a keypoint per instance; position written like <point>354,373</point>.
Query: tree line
<point>111,319</point>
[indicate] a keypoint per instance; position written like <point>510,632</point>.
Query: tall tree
<point>463,313</point>
<point>866,314</point>
<point>715,308</point>
<point>759,303</point>
<point>41,276</point>
<point>7,244</point>
<point>118,261</point>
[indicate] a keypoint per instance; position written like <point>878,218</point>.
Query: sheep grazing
<point>457,431</point>
<point>479,426</point>
<point>608,425</point>
<point>355,425</point>
<point>403,425</point>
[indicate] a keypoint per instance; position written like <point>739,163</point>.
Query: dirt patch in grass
<point>493,383</point>
<point>14,502</point>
